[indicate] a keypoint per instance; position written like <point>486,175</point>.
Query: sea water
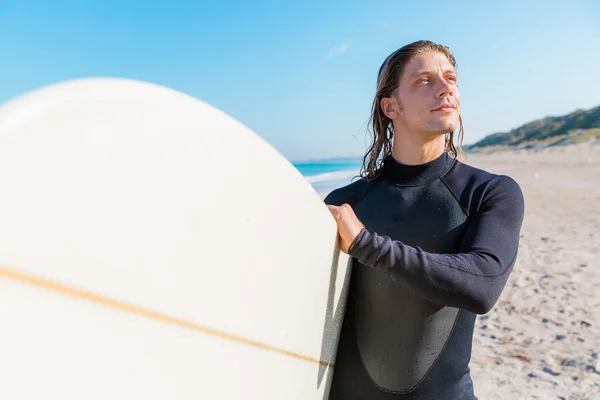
<point>325,176</point>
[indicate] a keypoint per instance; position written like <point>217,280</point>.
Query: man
<point>433,240</point>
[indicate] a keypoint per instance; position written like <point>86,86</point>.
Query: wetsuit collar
<point>415,175</point>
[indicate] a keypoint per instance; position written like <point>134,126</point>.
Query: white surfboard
<point>152,247</point>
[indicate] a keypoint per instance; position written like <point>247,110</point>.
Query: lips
<point>445,107</point>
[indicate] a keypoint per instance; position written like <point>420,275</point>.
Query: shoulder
<point>351,193</point>
<point>475,188</point>
<point>504,191</point>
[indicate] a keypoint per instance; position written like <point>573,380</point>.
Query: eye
<point>452,78</point>
<point>425,80</point>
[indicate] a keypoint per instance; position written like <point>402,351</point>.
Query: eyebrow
<point>430,71</point>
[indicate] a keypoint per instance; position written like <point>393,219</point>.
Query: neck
<point>411,149</point>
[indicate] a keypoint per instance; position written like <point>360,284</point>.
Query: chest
<point>427,216</point>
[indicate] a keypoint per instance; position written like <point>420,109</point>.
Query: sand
<point>542,339</point>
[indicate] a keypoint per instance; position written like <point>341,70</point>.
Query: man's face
<point>428,100</point>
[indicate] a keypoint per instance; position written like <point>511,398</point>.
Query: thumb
<point>335,211</point>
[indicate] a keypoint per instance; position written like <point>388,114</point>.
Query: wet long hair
<point>381,126</point>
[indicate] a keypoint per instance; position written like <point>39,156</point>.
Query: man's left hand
<point>348,224</point>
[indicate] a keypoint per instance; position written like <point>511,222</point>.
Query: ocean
<point>325,176</point>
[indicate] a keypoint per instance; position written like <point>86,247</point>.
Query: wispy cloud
<point>339,49</point>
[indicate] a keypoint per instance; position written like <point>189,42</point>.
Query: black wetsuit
<point>439,243</point>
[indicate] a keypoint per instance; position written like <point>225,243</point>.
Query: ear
<point>390,107</point>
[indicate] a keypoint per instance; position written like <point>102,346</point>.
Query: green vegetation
<point>577,127</point>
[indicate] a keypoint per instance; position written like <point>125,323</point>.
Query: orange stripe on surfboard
<point>32,280</point>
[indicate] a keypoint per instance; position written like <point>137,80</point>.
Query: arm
<point>472,279</point>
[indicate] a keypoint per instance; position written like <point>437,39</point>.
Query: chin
<point>444,125</point>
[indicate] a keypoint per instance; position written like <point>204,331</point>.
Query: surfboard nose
<point>150,245</point>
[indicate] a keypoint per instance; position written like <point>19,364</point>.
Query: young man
<point>433,240</point>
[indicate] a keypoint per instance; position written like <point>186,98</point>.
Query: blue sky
<point>302,74</point>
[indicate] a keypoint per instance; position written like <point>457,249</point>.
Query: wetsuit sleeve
<point>475,276</point>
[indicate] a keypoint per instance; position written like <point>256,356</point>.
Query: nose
<point>445,88</point>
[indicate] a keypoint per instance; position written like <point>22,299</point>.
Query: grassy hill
<point>576,127</point>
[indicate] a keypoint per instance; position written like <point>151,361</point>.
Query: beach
<point>542,338</point>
